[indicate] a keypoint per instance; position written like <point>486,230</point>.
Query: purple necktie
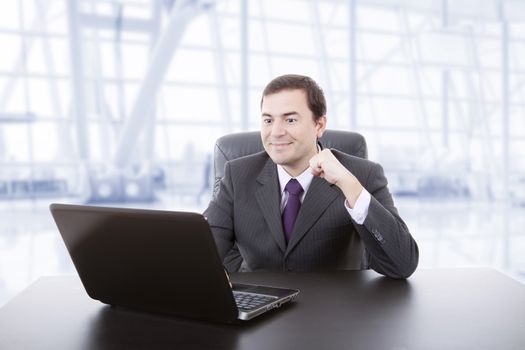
<point>294,189</point>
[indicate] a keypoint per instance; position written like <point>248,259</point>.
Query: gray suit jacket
<point>246,212</point>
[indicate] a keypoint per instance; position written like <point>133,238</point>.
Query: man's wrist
<point>360,210</point>
<point>351,188</point>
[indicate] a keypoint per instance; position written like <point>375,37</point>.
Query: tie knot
<point>293,187</point>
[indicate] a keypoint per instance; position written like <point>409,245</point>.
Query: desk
<point>434,309</point>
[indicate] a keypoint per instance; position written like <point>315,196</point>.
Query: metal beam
<point>416,78</point>
<point>119,69</point>
<point>445,78</point>
<point>18,64</point>
<point>220,73</point>
<point>352,62</point>
<point>480,117</point>
<point>108,22</point>
<point>265,39</point>
<point>245,86</point>
<point>505,103</point>
<point>376,64</point>
<point>48,57</point>
<point>505,116</point>
<point>181,14</point>
<point>320,47</point>
<point>17,117</point>
<point>148,146</point>
<point>77,80</point>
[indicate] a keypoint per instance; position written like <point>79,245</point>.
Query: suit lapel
<point>267,196</point>
<point>319,196</point>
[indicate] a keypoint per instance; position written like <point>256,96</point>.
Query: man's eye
<point>291,120</point>
<point>267,120</point>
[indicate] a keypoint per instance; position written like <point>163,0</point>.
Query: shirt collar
<point>305,178</point>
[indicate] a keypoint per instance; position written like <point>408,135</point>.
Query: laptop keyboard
<point>249,301</point>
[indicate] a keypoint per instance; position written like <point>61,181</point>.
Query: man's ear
<point>321,126</point>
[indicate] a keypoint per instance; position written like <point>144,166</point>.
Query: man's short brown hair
<point>314,94</point>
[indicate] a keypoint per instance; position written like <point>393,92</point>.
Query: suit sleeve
<point>392,249</point>
<point>220,218</point>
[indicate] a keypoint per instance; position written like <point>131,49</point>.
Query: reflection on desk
<point>435,309</point>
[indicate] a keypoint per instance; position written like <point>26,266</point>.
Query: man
<point>295,207</point>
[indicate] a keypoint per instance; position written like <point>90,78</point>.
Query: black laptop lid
<point>147,259</point>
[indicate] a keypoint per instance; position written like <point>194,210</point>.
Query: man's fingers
<point>315,171</point>
<point>314,162</point>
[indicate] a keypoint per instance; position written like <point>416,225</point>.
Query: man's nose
<point>278,128</point>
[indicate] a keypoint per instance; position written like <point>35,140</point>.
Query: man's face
<point>288,130</point>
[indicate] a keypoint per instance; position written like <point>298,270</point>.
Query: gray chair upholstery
<point>241,144</point>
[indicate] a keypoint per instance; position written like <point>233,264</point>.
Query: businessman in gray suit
<point>298,207</point>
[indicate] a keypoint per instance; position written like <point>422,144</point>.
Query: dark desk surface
<point>434,309</point>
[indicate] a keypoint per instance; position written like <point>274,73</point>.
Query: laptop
<point>158,261</point>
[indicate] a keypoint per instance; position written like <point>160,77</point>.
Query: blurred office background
<point>119,102</point>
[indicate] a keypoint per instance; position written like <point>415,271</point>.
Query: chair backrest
<point>241,144</point>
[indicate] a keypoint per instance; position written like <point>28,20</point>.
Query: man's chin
<point>279,160</point>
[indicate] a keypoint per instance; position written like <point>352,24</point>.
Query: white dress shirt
<point>358,212</point>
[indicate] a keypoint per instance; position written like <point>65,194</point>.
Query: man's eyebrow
<point>287,114</point>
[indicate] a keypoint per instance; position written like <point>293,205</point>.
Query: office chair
<point>241,144</point>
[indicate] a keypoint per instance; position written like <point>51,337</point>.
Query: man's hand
<point>325,165</point>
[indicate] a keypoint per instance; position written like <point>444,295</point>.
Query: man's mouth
<point>280,144</point>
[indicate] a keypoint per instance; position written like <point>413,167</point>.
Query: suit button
<point>378,236</point>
